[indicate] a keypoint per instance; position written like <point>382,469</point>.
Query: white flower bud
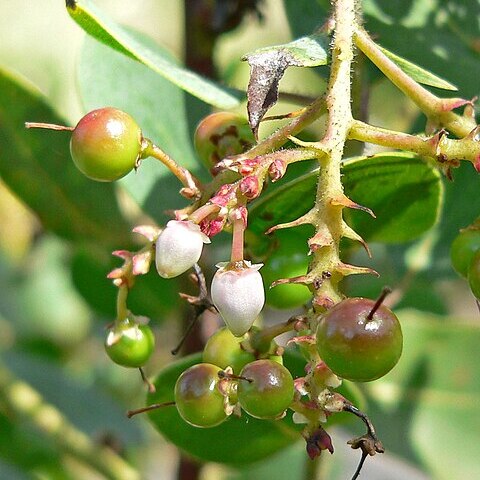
<point>178,247</point>
<point>238,295</point>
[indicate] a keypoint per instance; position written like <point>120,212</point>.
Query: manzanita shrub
<point>295,202</point>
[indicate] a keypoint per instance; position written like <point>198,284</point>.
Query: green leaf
<point>289,464</point>
<point>404,192</point>
<point>419,74</point>
<point>36,165</point>
<point>238,441</point>
<point>157,105</point>
<point>430,400</point>
<point>310,51</point>
<point>100,26</point>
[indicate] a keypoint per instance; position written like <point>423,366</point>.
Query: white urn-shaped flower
<point>178,247</point>
<point>237,292</point>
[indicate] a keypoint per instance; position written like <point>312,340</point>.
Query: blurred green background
<point>55,299</point>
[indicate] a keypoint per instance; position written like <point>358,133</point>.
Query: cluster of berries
<point>242,368</point>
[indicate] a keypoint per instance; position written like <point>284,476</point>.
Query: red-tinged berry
<point>463,248</point>
<point>359,339</point>
<point>265,389</point>
<point>474,275</point>
<point>199,400</point>
<point>106,144</point>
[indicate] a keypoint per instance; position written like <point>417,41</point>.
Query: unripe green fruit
<point>269,391</point>
<point>223,349</point>
<point>106,144</point>
<point>287,261</point>
<point>463,248</point>
<point>198,399</point>
<point>220,135</point>
<point>474,275</point>
<point>130,344</point>
<point>355,347</point>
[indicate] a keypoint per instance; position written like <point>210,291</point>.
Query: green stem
<point>438,146</point>
<point>27,405</point>
<point>278,138</point>
<point>327,211</point>
<point>435,108</point>
<point>188,180</point>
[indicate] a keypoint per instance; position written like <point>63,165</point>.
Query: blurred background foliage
<point>58,230</point>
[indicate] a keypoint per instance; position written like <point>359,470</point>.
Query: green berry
<point>266,390</point>
<point>463,248</point>
<point>474,275</point>
<point>130,344</point>
<point>224,350</point>
<point>287,261</point>
<point>220,135</point>
<point>106,144</point>
<point>356,347</point>
<point>198,398</point>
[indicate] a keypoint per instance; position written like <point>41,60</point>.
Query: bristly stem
<point>438,146</point>
<point>327,212</point>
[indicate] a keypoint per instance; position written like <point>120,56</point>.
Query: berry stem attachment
<point>189,181</point>
<point>386,291</point>
<point>48,126</point>
<point>230,376</point>
<point>154,406</point>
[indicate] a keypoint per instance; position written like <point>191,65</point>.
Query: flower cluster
<point>237,287</point>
